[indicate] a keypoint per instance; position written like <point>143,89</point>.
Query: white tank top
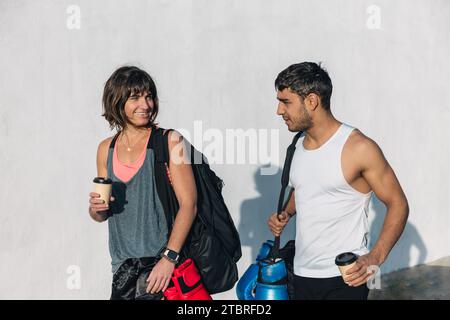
<point>331,215</point>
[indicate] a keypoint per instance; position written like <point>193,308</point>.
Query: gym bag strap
<point>275,253</point>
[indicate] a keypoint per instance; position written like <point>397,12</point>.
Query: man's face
<point>138,108</point>
<point>292,108</point>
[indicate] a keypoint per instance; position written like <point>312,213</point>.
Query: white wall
<point>215,61</point>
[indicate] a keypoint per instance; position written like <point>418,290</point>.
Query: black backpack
<point>213,242</point>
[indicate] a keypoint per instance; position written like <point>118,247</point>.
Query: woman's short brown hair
<point>124,82</point>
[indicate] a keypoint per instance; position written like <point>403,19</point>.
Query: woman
<point>138,231</point>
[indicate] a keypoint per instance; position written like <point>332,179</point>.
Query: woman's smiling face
<point>138,108</point>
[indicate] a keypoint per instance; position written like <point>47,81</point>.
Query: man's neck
<point>323,128</point>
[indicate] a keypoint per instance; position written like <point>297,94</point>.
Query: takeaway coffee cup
<point>345,261</point>
<point>103,187</point>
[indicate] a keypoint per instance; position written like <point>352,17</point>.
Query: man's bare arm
<point>380,176</point>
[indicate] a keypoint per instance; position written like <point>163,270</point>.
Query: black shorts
<point>327,289</point>
<point>129,281</point>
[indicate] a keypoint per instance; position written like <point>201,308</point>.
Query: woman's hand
<point>98,209</point>
<point>160,276</point>
<point>97,205</point>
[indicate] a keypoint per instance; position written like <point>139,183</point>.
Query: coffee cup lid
<point>346,258</point>
<point>102,180</point>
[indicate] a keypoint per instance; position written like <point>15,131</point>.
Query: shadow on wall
<point>400,256</point>
<point>253,228</point>
<point>255,212</point>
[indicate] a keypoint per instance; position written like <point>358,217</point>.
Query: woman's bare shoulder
<point>104,144</point>
<point>102,151</point>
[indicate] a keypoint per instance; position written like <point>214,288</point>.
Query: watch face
<point>172,254</point>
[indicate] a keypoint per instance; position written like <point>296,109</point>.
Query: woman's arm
<point>97,209</point>
<point>185,190</point>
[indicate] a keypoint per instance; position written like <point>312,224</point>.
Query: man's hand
<point>278,222</point>
<point>358,274</point>
<point>160,276</point>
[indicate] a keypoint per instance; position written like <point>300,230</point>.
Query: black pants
<point>327,289</point>
<point>129,281</point>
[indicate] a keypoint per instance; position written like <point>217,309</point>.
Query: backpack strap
<point>284,183</point>
<point>113,141</point>
<point>159,144</point>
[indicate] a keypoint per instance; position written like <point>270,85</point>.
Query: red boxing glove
<point>187,284</point>
<point>172,294</point>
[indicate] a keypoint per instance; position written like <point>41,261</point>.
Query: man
<point>334,171</point>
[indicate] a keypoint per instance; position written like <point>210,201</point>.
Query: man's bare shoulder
<point>362,147</point>
<point>358,141</point>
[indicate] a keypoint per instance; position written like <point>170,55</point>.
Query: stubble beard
<point>303,123</point>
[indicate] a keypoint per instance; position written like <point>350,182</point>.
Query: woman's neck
<point>135,132</point>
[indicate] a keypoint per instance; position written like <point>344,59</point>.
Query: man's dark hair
<point>126,81</point>
<point>305,78</point>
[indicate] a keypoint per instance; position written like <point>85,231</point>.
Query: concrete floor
<point>429,282</point>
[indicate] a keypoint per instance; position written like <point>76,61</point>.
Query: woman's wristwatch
<point>171,255</point>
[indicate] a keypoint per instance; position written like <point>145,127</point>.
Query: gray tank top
<point>137,224</point>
